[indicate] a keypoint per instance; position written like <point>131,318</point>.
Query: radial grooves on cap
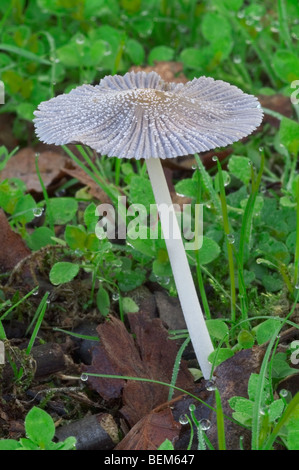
<point>141,116</point>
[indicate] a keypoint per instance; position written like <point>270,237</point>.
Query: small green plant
<point>40,432</point>
<point>278,417</point>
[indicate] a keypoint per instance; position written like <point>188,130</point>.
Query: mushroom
<point>138,115</point>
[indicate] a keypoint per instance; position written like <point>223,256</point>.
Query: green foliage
<point>103,301</point>
<point>63,272</point>
<point>166,445</point>
<point>40,431</point>
<point>278,417</point>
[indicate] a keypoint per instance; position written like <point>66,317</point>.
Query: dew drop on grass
<point>84,377</point>
<point>231,238</point>
<point>297,286</point>
<point>210,385</point>
<point>80,40</point>
<point>205,424</point>
<point>192,407</point>
<point>115,296</point>
<point>237,59</point>
<point>38,211</point>
<point>36,291</point>
<point>283,393</point>
<point>183,419</point>
<point>215,158</point>
<point>227,181</point>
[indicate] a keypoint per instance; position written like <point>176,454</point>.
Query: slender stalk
<point>194,318</point>
<point>228,243</point>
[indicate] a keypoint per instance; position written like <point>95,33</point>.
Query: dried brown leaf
<point>13,248</point>
<point>151,431</point>
<point>22,166</point>
<point>151,356</point>
<point>168,70</point>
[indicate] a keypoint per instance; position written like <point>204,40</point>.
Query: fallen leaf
<point>151,431</point>
<point>7,137</point>
<point>13,248</point>
<point>22,166</point>
<point>151,356</point>
<point>279,103</point>
<point>168,70</point>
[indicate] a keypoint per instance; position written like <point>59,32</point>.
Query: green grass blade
<point>40,312</point>
<point>284,418</point>
<point>220,422</point>
<point>23,53</point>
<point>176,367</point>
<point>283,24</point>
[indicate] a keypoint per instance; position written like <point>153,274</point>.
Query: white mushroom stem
<point>194,318</point>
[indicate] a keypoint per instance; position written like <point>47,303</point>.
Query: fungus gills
<point>141,116</point>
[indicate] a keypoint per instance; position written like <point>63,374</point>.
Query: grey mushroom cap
<point>138,115</point>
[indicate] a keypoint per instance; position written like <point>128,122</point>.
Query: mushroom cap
<point>139,115</point>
